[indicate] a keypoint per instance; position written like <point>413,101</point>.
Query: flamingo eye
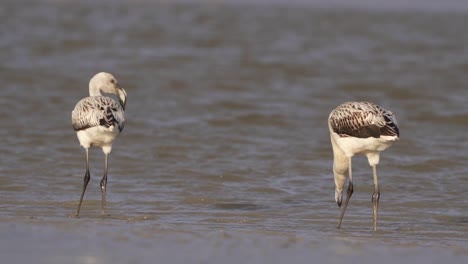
<point>112,81</point>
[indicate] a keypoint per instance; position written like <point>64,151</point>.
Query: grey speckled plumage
<point>363,120</point>
<point>97,111</point>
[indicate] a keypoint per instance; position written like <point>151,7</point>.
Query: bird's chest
<point>352,145</point>
<point>97,136</point>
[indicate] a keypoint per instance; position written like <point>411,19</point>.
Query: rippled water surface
<point>225,156</point>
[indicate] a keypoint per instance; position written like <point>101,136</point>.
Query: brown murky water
<point>226,156</point>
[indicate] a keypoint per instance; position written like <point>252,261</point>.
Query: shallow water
<point>225,156</point>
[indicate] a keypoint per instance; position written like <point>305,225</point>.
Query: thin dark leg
<point>375,197</point>
<point>85,183</point>
<point>349,192</point>
<point>103,186</point>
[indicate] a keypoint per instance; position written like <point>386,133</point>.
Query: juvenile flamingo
<point>98,120</point>
<point>359,128</point>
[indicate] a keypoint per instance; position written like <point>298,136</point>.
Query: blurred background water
<point>225,156</point>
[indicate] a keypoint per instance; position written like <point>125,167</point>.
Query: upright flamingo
<point>98,120</point>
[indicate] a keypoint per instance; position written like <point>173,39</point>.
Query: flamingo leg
<point>349,192</point>
<point>375,197</point>
<point>85,182</point>
<point>104,185</point>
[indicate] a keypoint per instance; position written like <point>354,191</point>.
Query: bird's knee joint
<point>376,196</point>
